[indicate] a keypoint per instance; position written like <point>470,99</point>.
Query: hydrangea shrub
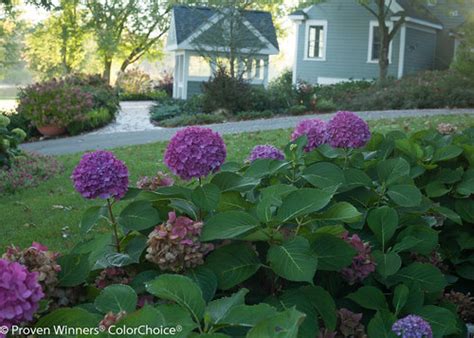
<point>372,242</point>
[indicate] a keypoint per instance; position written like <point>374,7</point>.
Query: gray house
<point>202,37</point>
<point>337,40</point>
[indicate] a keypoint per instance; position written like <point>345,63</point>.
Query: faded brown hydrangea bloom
<point>175,245</point>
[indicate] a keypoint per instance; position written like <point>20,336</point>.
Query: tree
<point>464,59</point>
<point>60,45</point>
<point>129,27</point>
<point>10,43</point>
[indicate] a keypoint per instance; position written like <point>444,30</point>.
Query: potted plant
<point>53,104</point>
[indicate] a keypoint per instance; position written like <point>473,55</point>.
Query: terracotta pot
<point>51,130</point>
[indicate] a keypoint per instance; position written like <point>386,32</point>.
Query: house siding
<point>420,50</point>
<point>194,88</point>
<point>347,44</point>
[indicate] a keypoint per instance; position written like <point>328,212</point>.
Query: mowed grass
<point>51,212</point>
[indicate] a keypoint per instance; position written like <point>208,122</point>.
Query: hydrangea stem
<point>113,221</point>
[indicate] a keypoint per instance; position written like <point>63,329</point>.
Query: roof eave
<point>419,22</point>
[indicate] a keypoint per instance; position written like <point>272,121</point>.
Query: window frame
<point>372,25</point>
<point>308,25</point>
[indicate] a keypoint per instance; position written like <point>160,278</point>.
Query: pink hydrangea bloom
<point>195,152</point>
<point>20,294</point>
<point>362,264</point>
<point>347,130</point>
<point>266,151</point>
<point>315,131</point>
<point>100,174</point>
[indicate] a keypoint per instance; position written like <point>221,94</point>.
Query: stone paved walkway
<point>133,116</point>
<point>102,140</point>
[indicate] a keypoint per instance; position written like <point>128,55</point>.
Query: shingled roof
<point>418,11</point>
<point>188,19</point>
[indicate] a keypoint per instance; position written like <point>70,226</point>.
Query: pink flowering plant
<point>332,240</point>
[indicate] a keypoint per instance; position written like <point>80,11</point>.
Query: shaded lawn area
<point>50,213</point>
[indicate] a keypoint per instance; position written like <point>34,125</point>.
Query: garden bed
<point>343,231</point>
<point>427,90</point>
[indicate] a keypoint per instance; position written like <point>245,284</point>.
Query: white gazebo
<point>196,55</point>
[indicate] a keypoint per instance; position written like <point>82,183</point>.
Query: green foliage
<point>227,93</point>
<point>60,45</point>
<point>299,109</point>
<point>9,141</point>
<point>189,120</point>
<point>136,85</point>
<point>431,89</point>
<point>282,251</point>
<point>92,120</point>
<point>78,102</point>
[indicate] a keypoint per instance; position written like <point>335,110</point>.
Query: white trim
<point>372,25</point>
<point>322,80</point>
<point>296,17</point>
<point>188,42</point>
<point>401,57</point>
<point>186,75</point>
<point>259,35</point>
<point>294,78</point>
<point>394,6</point>
<point>309,23</point>
<point>419,22</point>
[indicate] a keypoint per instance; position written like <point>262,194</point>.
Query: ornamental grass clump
<point>195,152</point>
<point>37,258</point>
<point>412,326</point>
<point>20,293</point>
<point>347,130</point>
<point>175,245</point>
<point>265,151</point>
<point>362,264</point>
<point>315,131</point>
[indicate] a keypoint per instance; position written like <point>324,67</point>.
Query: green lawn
<point>51,212</point>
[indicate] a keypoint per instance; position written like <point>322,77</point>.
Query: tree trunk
<point>107,69</point>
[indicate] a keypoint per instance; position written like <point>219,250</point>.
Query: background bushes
<point>79,102</point>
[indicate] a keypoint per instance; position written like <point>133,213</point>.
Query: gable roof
<point>413,10</point>
<point>417,11</point>
<point>189,20</point>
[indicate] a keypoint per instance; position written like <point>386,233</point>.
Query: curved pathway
<point>102,140</point>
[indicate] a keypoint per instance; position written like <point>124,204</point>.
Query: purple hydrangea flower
<point>412,326</point>
<point>195,152</point>
<point>347,130</point>
<point>20,294</point>
<point>266,151</point>
<point>362,263</point>
<point>100,175</point>
<point>315,131</point>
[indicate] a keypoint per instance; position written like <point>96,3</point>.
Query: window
<point>316,42</point>
<point>199,66</point>
<point>316,36</point>
<point>375,42</point>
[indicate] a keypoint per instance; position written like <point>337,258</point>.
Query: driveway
<point>115,137</point>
